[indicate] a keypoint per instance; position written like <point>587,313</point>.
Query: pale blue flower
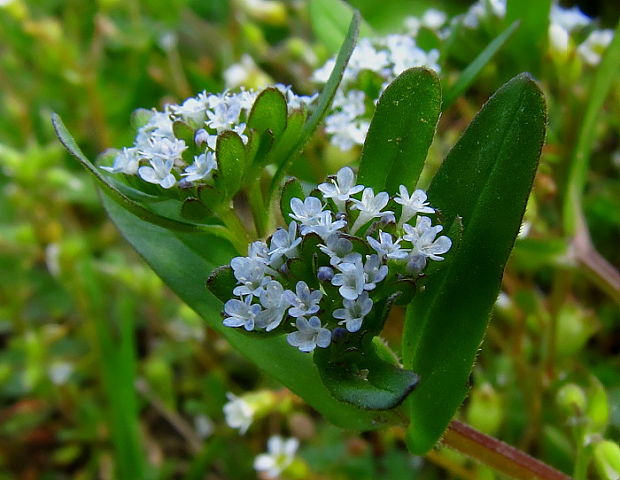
<point>126,161</point>
<point>370,206</point>
<point>274,302</point>
<point>425,244</point>
<point>354,312</point>
<point>387,247</point>
<point>374,272</point>
<point>158,172</point>
<point>304,301</point>
<point>241,313</point>
<point>412,204</point>
<point>309,335</point>
<point>250,273</point>
<point>351,278</point>
<point>337,248</point>
<point>341,189</point>
<point>284,243</point>
<point>202,168</point>
<point>306,211</point>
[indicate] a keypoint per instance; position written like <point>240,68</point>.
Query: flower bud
<point>325,274</point>
<point>571,399</point>
<point>201,137</point>
<point>607,460</point>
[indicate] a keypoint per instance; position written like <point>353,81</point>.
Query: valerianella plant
<point>308,303</point>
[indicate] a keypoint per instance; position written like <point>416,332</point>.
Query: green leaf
<point>330,19</point>
<point>291,189</point>
<point>194,210</point>
<point>468,75</point>
<point>323,103</point>
<point>184,262</point>
<point>110,188</point>
<point>485,180</point>
<point>269,112</point>
<point>353,371</point>
<point>285,145</point>
<point>222,282</point>
<point>401,131</point>
<point>230,155</point>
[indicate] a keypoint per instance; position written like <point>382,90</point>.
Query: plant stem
<point>497,454</point>
<point>239,237</point>
<point>257,205</point>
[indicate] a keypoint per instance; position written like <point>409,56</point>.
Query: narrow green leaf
<point>470,73</point>
<point>230,155</point>
<point>324,101</point>
<point>330,20</point>
<point>110,188</point>
<point>606,73</point>
<point>485,180</point>
<point>269,112</point>
<point>184,262</point>
<point>401,131</point>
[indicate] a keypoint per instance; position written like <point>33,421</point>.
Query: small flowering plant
<point>329,279</point>
<point>308,302</point>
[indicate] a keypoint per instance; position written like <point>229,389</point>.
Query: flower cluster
<point>327,269</point>
<point>382,59</point>
<point>158,156</point>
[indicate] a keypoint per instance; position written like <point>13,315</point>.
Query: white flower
<point>60,372</point>
<point>354,312</point>
<point>366,57</point>
<point>337,248</point>
<point>346,131</point>
<point>158,172</point>
<point>281,455</point>
<point>241,72</point>
<point>304,301</point>
<point>412,205</point>
<point>159,125</point>
<point>224,114</point>
<point>241,313</point>
<point>127,161</point>
<point>370,207</point>
<point>272,298</point>
<point>283,244</point>
<point>293,100</point>
<point>341,188</point>
<point>568,18</point>
<point>558,39</point>
<point>259,251</point>
<point>387,247</point>
<point>323,225</point>
<point>322,74</point>
<point>351,278</point>
<point>309,335</point>
<point>201,169</point>
<point>250,272</point>
<point>425,245</point>
<point>593,47</point>
<point>164,149</point>
<point>192,110</point>
<point>239,413</point>
<point>306,212</point>
<point>374,272</point>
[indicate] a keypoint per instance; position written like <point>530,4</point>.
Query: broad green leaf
<point>485,181</point>
<point>269,112</point>
<point>222,282</point>
<point>194,210</point>
<point>468,75</point>
<point>330,20</point>
<point>323,103</point>
<point>230,155</point>
<point>110,188</point>
<point>285,144</point>
<point>401,131</point>
<point>533,16</point>
<point>184,262</point>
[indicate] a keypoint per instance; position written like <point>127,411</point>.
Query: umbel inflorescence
<point>343,251</point>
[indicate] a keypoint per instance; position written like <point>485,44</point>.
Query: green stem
<point>237,233</point>
<point>260,213</point>
<point>578,170</point>
<point>497,454</point>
